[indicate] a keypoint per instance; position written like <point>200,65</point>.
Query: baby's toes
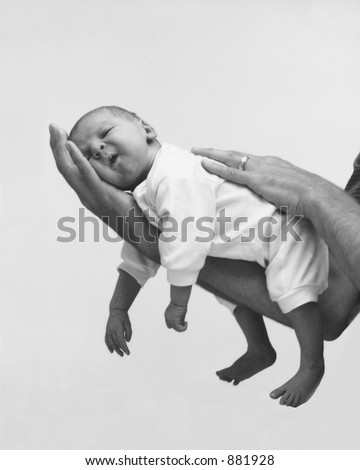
<point>297,401</point>
<point>223,375</point>
<point>278,392</point>
<point>290,400</point>
<point>285,398</point>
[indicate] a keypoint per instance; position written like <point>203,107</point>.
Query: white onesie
<point>201,214</point>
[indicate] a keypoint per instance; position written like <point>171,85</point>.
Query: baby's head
<point>120,146</point>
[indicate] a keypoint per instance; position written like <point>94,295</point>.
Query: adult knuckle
<point>271,181</point>
<point>234,154</point>
<point>272,159</point>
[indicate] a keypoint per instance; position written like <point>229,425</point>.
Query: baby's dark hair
<point>115,110</point>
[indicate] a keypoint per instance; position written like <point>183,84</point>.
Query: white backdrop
<point>267,77</point>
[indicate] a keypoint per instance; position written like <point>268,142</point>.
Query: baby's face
<point>117,148</point>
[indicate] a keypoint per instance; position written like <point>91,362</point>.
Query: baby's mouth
<point>113,159</point>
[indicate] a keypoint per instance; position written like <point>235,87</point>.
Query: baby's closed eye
<point>105,132</point>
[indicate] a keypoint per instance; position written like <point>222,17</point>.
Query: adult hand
<point>107,202</point>
<point>94,193</point>
<point>276,180</point>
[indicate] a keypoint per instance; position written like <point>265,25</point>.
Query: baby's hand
<point>118,332</point>
<point>175,317</point>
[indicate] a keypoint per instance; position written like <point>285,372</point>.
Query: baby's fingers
<point>180,327</point>
<point>108,343</point>
<point>121,342</point>
<point>128,331</point>
<point>169,323</point>
<point>112,343</point>
<point>177,326</point>
<point>116,346</point>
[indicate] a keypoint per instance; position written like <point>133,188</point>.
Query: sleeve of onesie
<point>187,208</point>
<point>136,264</point>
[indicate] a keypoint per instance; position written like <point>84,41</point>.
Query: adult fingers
<point>228,157</point>
<point>58,138</point>
<point>229,173</point>
<point>233,158</point>
<point>78,158</point>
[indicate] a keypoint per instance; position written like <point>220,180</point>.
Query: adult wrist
<point>320,192</point>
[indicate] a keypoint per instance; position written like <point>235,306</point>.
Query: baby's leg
<point>259,355</point>
<point>306,321</point>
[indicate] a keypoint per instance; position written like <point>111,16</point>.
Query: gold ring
<point>243,162</point>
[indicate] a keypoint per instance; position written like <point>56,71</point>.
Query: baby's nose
<point>99,151</point>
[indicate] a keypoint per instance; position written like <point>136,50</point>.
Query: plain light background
<point>266,77</point>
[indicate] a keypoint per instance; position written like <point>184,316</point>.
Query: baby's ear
<point>150,131</point>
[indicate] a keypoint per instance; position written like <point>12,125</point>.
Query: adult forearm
<point>336,216</point>
<point>121,212</point>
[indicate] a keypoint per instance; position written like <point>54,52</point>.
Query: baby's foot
<point>249,364</point>
<point>301,387</point>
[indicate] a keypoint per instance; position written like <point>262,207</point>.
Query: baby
<point>201,214</point>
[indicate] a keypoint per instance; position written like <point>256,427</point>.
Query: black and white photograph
<point>180,249</point>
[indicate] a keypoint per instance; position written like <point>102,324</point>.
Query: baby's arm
<point>134,271</point>
<point>177,308</point>
<point>118,328</point>
<point>187,202</point>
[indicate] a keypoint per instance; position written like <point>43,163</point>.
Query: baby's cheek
<point>107,174</point>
